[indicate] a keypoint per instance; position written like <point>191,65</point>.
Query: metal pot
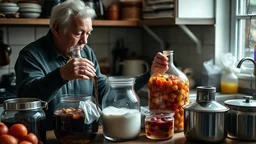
<point>205,120</point>
<point>242,118</point>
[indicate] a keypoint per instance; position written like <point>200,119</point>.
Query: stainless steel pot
<point>242,118</point>
<point>205,120</point>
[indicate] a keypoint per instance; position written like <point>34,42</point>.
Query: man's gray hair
<point>62,13</point>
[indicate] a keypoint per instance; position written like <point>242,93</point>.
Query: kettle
<point>5,51</point>
<point>133,67</point>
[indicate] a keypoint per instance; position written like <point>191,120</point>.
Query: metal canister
<point>205,120</point>
<point>242,118</point>
<point>29,112</point>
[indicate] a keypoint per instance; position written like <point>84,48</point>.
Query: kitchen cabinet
<point>197,12</point>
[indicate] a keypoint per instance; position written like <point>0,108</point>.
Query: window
<point>243,31</point>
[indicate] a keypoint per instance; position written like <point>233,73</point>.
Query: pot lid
<point>246,104</point>
<point>205,101</point>
<point>212,107</point>
<point>24,104</point>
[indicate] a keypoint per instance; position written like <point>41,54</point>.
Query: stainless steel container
<point>205,120</point>
<point>242,118</point>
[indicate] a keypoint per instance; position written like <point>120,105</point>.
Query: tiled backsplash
<point>103,40</point>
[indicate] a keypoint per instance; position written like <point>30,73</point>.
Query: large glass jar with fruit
<point>28,112</point>
<point>169,90</point>
<point>121,110</point>
<point>76,119</point>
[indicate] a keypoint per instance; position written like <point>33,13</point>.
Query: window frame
<point>237,28</point>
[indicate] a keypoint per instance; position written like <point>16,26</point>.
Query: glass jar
<point>159,125</point>
<point>121,110</point>
<point>229,82</point>
<point>169,90</point>
<point>69,121</point>
<point>27,111</point>
<point>75,52</point>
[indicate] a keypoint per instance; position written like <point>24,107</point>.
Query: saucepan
<point>242,118</point>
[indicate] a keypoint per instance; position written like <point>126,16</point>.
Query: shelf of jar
<point>178,21</point>
<point>118,23</point>
<point>46,21</point>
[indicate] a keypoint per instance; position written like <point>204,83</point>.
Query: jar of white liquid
<point>121,110</point>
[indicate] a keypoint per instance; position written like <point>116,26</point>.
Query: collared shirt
<point>38,75</point>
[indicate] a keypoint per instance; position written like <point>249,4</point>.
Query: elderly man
<point>43,67</point>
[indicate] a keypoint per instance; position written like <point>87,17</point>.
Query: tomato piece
<point>18,130</point>
<point>8,139</point>
<point>3,129</point>
<point>32,138</point>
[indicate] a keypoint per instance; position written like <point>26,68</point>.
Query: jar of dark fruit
<point>29,112</point>
<point>159,125</point>
<point>69,121</point>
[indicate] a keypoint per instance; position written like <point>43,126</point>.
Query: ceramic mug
<point>134,67</point>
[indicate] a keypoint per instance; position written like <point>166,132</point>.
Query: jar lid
<point>159,113</point>
<point>121,80</point>
<point>24,104</point>
<point>246,104</point>
<point>205,101</point>
<point>75,98</point>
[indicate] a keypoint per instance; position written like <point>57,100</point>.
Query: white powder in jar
<point>121,123</point>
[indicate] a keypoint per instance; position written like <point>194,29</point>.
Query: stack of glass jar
<point>169,91</point>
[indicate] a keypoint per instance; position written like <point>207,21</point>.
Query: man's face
<point>76,34</point>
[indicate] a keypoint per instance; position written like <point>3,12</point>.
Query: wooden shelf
<point>177,21</point>
<point>45,21</point>
<point>24,21</point>
<point>117,23</point>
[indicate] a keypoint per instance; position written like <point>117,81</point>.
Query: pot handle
<point>45,105</point>
<point>247,99</point>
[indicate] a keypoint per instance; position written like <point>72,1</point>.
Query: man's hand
<point>77,68</point>
<point>160,62</point>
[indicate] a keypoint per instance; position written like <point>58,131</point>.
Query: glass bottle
<point>169,91</point>
<point>75,52</point>
<point>121,110</point>
<point>229,82</point>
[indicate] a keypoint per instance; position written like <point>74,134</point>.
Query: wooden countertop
<point>178,138</point>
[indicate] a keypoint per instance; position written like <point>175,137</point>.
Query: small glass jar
<point>159,125</point>
<point>169,90</point>
<point>29,112</point>
<point>229,82</point>
<point>69,121</point>
<point>121,110</point>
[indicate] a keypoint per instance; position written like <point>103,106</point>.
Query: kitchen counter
<point>178,138</point>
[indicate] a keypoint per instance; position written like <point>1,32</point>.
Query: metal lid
<point>75,98</point>
<point>121,80</point>
<point>246,104</point>
<point>205,101</point>
<point>24,104</point>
